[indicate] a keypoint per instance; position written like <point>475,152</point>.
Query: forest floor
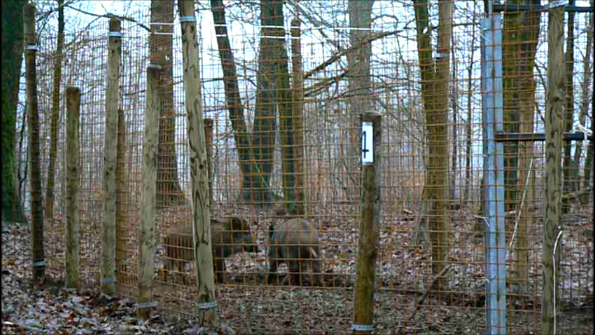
<point>50,308</point>
<point>253,307</point>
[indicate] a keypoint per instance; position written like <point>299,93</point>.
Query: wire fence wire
<point>337,87</point>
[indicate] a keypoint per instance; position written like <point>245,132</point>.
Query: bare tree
<point>435,74</point>
<point>12,57</point>
<point>161,47</point>
<point>233,100</point>
<point>49,195</point>
<point>520,37</point>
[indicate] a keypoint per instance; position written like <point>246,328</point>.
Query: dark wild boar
<point>229,237</point>
<point>296,243</point>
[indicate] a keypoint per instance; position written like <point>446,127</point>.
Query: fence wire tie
<point>485,220</point>
<point>108,281</point>
<point>580,128</point>
<point>39,264</point>
<point>145,305</point>
<point>187,19</point>
<point>206,305</point>
<point>361,328</point>
<point>31,47</point>
<point>115,34</point>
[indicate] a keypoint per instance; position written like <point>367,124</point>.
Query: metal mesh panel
<point>410,295</point>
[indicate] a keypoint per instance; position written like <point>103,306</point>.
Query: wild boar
<point>296,243</point>
<point>229,237</point>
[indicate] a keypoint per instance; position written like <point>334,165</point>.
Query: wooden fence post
<point>209,144</point>
<point>201,211</point>
<point>108,216</point>
<point>298,117</point>
<point>369,223</point>
<point>33,145</point>
<point>554,107</point>
<point>120,200</point>
<point>73,102</point>
<point>147,232</point>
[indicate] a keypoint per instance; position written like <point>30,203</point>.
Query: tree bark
<point>518,51</point>
<point>298,116</point>
<point>12,58</point>
<point>586,93</point>
<point>246,162</point>
<point>257,190</point>
<point>567,166</point>
<point>169,192</point>
<point>49,195</point>
<point>284,103</point>
<point>435,85</point>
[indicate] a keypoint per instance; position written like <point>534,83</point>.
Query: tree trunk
<point>233,100</point>
<point>454,103</point>
<point>161,46</point>
<point>567,167</point>
<point>284,103</point>
<point>524,75</point>
<point>12,58</point>
<point>49,195</point>
<point>257,190</point>
<point>468,127</point>
<point>435,85</point>
<point>298,115</point>
<point>517,43</point>
<point>520,36</point>
<point>586,92</point>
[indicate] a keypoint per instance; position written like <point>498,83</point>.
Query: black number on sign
<point>364,150</point>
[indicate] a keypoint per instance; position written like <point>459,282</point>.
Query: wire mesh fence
<point>286,149</point>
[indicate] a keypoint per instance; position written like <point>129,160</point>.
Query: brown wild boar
<point>294,242</point>
<point>229,237</point>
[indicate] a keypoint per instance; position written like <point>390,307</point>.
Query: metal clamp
<point>39,264</point>
<point>108,281</point>
<point>206,305</point>
<point>31,47</point>
<point>144,305</point>
<point>187,19</point>
<point>115,34</point>
<point>361,328</point>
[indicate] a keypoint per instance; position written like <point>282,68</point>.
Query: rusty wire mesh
<point>404,298</point>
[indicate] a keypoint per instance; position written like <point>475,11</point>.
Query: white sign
<point>367,143</point>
